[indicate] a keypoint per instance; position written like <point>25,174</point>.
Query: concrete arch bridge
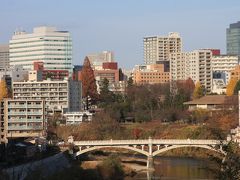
<point>149,147</point>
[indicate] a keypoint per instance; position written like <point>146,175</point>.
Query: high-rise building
<point>46,44</point>
<point>233,39</point>
<point>159,48</point>
<point>195,65</point>
<point>97,59</point>
<point>178,66</point>
<point>4,56</point>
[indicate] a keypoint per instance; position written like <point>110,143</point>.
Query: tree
<point>106,96</point>
<point>88,82</point>
<point>130,82</point>
<point>231,86</point>
<point>230,168</point>
<point>198,91</point>
<point>237,87</point>
<point>121,75</point>
<point>3,90</point>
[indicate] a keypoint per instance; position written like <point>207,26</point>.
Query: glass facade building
<point>233,39</point>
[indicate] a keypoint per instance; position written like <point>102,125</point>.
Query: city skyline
<point>121,26</point>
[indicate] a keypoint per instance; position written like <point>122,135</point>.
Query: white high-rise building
<point>159,48</point>
<point>195,65</point>
<point>45,44</point>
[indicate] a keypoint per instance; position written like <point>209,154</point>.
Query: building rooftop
<point>213,99</point>
<point>235,25</point>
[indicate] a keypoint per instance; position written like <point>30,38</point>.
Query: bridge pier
<point>150,163</point>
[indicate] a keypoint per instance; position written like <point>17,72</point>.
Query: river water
<point>178,168</point>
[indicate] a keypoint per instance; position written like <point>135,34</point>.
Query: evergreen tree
<point>237,87</point>
<point>89,86</point>
<point>106,96</point>
<point>130,82</point>
<point>121,75</point>
<point>3,90</point>
<point>231,86</point>
<point>198,91</point>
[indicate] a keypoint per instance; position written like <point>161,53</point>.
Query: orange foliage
<point>230,87</point>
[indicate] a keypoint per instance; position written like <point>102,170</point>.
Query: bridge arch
<point>119,147</point>
<point>181,146</point>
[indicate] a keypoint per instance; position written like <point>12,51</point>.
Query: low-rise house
<point>213,102</point>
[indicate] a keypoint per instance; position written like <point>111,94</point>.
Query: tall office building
<point>233,39</point>
<point>45,44</point>
<point>4,56</point>
<point>159,48</point>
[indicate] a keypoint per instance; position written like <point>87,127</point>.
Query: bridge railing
<point>149,141</point>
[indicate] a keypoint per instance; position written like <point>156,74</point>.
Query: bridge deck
<point>149,141</point>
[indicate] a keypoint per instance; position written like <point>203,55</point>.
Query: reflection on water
<point>178,168</point>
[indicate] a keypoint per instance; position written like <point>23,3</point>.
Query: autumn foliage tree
<point>89,86</point>
<point>198,91</point>
<point>231,86</point>
<point>3,90</point>
<point>186,87</point>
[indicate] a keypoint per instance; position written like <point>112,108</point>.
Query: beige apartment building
<point>22,118</point>
<point>159,48</point>
<point>150,74</point>
<point>60,96</point>
<point>195,65</point>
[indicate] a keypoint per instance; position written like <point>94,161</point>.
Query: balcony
<point>24,120</point>
<point>11,128</point>
<point>34,106</point>
<point>35,113</point>
<point>17,113</point>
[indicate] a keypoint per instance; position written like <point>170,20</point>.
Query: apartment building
<point>22,118</point>
<point>159,48</point>
<point>45,44</point>
<point>59,96</point>
<point>4,56</point>
<point>150,74</point>
<point>222,66</point>
<point>178,66</point>
<point>195,65</point>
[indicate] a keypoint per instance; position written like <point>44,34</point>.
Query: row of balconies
<point>25,127</point>
<point>25,106</point>
<point>25,113</point>
<point>25,120</point>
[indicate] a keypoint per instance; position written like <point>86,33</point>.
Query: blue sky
<point>120,25</point>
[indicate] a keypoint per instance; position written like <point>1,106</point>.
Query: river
<point>178,168</point>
